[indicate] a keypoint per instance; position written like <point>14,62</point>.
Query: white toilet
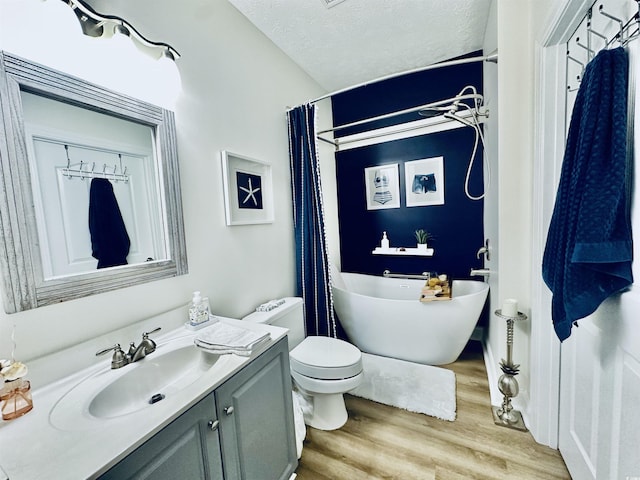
<point>322,368</point>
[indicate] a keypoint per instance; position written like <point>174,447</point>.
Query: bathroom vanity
<point>243,429</point>
<point>226,417</point>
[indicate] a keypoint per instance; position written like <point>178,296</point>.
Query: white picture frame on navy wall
<point>248,190</point>
<point>382,186</point>
<point>424,182</point>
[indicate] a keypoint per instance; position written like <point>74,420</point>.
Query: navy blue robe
<point>109,239</point>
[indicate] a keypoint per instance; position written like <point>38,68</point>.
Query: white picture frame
<point>248,190</point>
<point>382,186</point>
<point>424,182</point>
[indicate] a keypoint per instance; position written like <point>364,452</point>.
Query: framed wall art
<point>248,190</point>
<point>382,187</point>
<point>424,180</point>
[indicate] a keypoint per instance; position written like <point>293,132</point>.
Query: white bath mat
<point>412,386</point>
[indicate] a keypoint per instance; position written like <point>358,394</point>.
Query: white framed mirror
<point>69,152</point>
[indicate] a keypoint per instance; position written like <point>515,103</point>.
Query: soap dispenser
<point>198,309</point>
<point>384,243</point>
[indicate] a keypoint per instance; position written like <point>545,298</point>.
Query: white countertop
<point>31,447</point>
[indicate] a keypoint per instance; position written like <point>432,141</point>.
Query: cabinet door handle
<point>213,424</point>
<point>228,410</point>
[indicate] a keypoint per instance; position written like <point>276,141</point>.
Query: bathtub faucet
<point>481,272</point>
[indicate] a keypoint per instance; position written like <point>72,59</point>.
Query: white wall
<point>236,87</point>
<point>492,196</point>
<point>518,28</point>
<point>509,205</point>
<point>521,27</point>
<point>327,157</point>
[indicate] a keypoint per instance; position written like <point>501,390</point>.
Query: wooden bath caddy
<point>445,293</point>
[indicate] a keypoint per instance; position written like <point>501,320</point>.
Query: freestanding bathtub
<point>384,316</point>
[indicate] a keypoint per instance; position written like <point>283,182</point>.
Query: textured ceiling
<point>355,41</point>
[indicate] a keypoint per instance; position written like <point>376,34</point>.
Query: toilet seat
<point>314,386</point>
<point>326,358</point>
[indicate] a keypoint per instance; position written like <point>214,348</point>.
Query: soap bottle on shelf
<point>199,309</point>
<point>384,243</point>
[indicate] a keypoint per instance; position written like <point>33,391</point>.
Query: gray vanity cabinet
<point>186,448</point>
<point>256,419</point>
<point>242,430</point>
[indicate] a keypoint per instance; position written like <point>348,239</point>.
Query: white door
<point>599,424</point>
<point>600,390</point>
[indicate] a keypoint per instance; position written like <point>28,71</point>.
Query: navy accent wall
<point>457,225</point>
<point>403,92</point>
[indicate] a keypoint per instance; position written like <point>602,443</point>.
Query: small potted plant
<point>422,237</point>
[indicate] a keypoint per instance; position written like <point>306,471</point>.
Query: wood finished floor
<point>382,442</point>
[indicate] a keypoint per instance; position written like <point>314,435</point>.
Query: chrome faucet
<point>145,347</point>
<point>120,359</point>
<point>481,272</point>
<point>484,250</point>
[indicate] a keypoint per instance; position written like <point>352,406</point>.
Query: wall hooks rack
<point>589,50</point>
<point>573,59</point>
<point>616,31</point>
<point>82,171</point>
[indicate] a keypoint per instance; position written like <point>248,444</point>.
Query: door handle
<point>213,425</point>
<point>228,410</point>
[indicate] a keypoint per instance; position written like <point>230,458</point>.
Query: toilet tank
<point>288,315</point>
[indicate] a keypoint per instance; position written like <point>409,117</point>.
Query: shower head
<point>463,108</point>
<point>430,112</point>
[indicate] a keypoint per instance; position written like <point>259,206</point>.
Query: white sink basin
<point>111,393</point>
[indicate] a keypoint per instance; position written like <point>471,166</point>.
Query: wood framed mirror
<point>59,133</point>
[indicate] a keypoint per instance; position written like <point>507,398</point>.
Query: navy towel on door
<point>588,252</point>
<point>109,239</point>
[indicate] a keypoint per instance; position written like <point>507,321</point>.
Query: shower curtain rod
<point>417,125</point>
<point>492,57</point>
<point>439,103</point>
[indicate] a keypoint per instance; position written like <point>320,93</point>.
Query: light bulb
<point>129,67</point>
<point>169,83</point>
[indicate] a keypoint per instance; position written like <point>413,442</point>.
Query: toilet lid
<point>326,358</point>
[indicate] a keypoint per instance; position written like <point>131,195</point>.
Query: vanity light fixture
<point>56,33</point>
<point>95,24</point>
<point>165,83</point>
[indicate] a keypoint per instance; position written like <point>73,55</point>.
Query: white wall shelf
<point>416,252</point>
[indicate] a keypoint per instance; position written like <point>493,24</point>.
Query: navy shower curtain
<point>312,262</point>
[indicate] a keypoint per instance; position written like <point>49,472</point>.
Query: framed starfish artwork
<point>248,195</point>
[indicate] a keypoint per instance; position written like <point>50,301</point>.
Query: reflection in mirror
<point>64,160</point>
<point>92,190</point>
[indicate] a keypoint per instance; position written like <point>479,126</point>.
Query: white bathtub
<point>384,316</point>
